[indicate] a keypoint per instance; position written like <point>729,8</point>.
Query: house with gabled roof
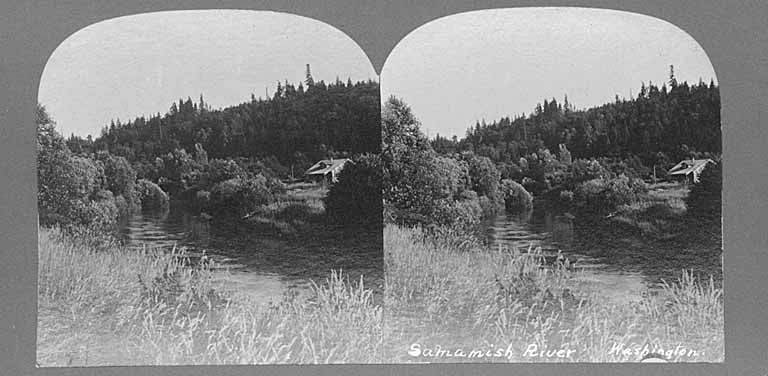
<point>689,170</point>
<point>326,171</point>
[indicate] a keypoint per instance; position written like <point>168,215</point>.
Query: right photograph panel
<point>552,190</point>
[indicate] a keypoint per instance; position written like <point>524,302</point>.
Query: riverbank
<point>656,213</point>
<point>659,220</point>
<point>294,237</point>
<point>292,213</point>
<point>440,296</point>
<point>116,306</point>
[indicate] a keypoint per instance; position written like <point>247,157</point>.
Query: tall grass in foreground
<point>126,307</point>
<point>464,297</point>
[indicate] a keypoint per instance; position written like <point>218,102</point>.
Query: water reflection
<point>264,267</point>
<point>617,266</point>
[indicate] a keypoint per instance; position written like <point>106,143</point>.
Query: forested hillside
<point>593,162</point>
<point>659,127</point>
<point>297,126</point>
<point>227,161</point>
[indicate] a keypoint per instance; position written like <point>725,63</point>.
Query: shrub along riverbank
<point>679,215</point>
<point>115,306</point>
<point>458,295</point>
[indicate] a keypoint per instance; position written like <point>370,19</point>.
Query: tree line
<point>297,125</point>
<point>586,162</point>
<point>227,161</point>
<point>659,127</point>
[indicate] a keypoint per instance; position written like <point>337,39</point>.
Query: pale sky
<point>138,65</point>
<point>489,64</point>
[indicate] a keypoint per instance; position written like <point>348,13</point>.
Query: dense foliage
<point>356,197</point>
<point>704,202</point>
<point>90,191</point>
<point>421,187</point>
<point>515,195</point>
<point>151,195</point>
<point>660,125</point>
<point>296,126</point>
<point>653,131</point>
<point>223,162</point>
<point>597,159</point>
<point>238,196</point>
<point>73,191</point>
<point>601,195</point>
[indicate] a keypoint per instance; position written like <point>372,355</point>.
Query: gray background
<point>734,35</point>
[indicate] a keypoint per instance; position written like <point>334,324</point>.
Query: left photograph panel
<point>209,192</point>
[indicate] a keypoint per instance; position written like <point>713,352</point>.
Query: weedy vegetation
<point>459,295</point>
<point>117,306</point>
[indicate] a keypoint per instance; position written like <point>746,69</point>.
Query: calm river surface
<point>264,267</point>
<point>617,267</point>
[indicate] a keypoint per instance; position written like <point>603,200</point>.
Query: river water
<point>267,267</point>
<point>263,266</point>
<point>618,267</point>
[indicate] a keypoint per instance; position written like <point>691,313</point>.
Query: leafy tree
<point>178,171</point>
<point>356,197</point>
<point>484,179</point>
<point>601,196</point>
<point>516,198</point>
<point>403,147</point>
<point>484,176</point>
<point>219,170</point>
<point>704,201</point>
<point>151,195</point>
<point>419,186</point>
<point>239,196</point>
<point>70,188</point>
<point>120,178</point>
<point>52,157</point>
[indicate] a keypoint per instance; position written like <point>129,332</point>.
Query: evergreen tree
<point>309,81</point>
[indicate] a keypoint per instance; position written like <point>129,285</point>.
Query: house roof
<point>325,166</point>
<point>689,165</point>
